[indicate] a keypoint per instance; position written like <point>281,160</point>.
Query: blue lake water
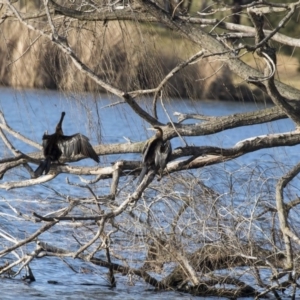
<point>33,112</point>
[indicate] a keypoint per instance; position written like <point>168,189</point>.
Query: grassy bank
<point>130,56</point>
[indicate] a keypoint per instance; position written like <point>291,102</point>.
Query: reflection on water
<point>33,112</point>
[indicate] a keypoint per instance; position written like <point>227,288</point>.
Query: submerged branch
<point>99,262</point>
<point>282,210</point>
<point>32,237</point>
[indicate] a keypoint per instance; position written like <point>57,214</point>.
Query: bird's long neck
<point>159,134</point>
<point>59,125</point>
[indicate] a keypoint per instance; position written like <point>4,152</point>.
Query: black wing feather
<point>149,150</point>
<point>163,154</point>
<point>43,166</point>
<point>77,144</point>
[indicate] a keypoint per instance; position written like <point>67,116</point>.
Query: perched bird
<point>56,144</point>
<point>156,153</point>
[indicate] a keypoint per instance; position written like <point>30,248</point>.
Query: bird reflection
<point>156,154</point>
<point>56,144</point>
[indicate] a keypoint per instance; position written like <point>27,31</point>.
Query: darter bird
<point>56,144</point>
<point>156,154</point>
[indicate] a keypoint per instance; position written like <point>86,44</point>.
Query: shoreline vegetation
<point>128,61</point>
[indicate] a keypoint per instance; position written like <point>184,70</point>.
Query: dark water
<point>33,112</point>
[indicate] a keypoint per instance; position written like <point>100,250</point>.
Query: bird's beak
<point>151,129</point>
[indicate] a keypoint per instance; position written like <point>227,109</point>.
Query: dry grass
<point>122,53</point>
<point>287,68</point>
<point>125,54</point>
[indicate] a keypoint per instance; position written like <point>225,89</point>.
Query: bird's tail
<point>44,166</point>
<point>142,175</point>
